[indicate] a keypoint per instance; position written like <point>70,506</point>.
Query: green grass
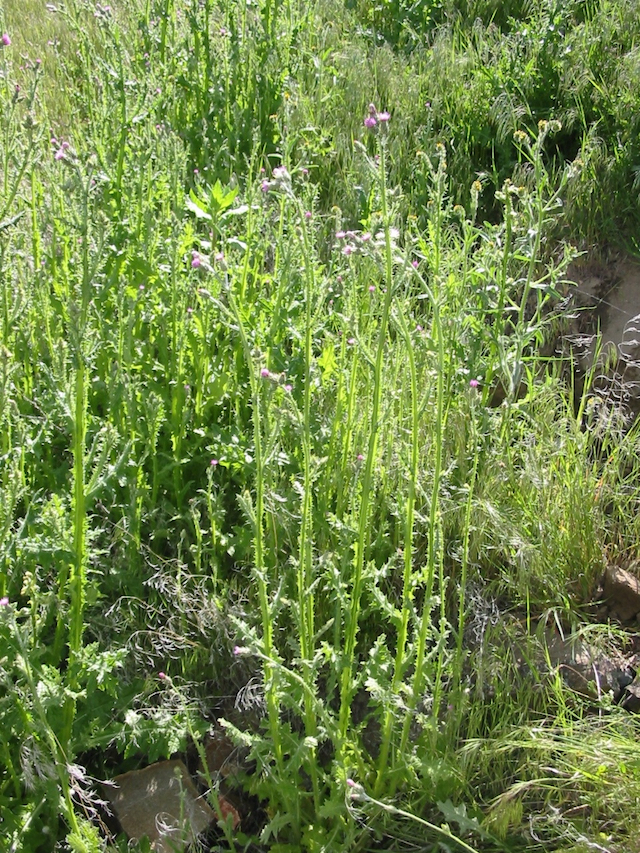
<point>277,409</point>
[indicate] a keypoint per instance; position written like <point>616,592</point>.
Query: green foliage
<point>278,417</point>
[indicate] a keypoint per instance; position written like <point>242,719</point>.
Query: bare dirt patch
<point>607,294</point>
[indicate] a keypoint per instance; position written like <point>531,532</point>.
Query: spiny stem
<point>367,484</point>
<point>407,596</point>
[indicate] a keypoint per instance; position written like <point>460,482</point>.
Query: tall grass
<point>279,418</point>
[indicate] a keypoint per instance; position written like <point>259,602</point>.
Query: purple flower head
<point>360,457</point>
<point>265,373</point>
<point>372,288</point>
<point>196,260</point>
<point>4,601</point>
<point>264,186</point>
<point>384,116</point>
<point>348,250</point>
<point>214,462</point>
<point>414,264</point>
<point>340,235</point>
<point>307,214</point>
<point>59,155</point>
<point>473,383</point>
<point>162,676</point>
<point>370,121</point>
<point>6,39</point>
<point>288,387</point>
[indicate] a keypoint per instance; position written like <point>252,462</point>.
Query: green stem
<point>348,658</point>
<point>305,558</point>
<point>259,567</point>
<point>407,586</point>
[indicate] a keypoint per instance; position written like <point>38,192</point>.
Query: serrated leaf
<point>458,815</point>
<point>196,206</point>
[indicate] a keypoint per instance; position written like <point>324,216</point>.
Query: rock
<point>161,802</point>
<point>622,593</point>
<point>631,698</point>
<point>586,669</point>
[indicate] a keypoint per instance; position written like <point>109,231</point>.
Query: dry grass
<point>46,37</point>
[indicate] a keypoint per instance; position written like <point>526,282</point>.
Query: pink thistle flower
<point>370,122</point>
<point>348,250</point>
<point>372,288</point>
<point>473,383</point>
<point>307,214</point>
<point>6,39</point>
<point>288,387</point>
<point>4,601</point>
<point>414,264</point>
<point>340,235</point>
<point>214,463</point>
<point>162,676</point>
<point>265,373</point>
<point>264,186</point>
<point>59,155</point>
<point>360,457</point>
<point>384,116</point>
<point>196,260</point>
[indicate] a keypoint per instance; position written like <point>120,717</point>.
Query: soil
<point>607,295</point>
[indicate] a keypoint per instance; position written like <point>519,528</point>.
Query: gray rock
<point>622,593</point>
